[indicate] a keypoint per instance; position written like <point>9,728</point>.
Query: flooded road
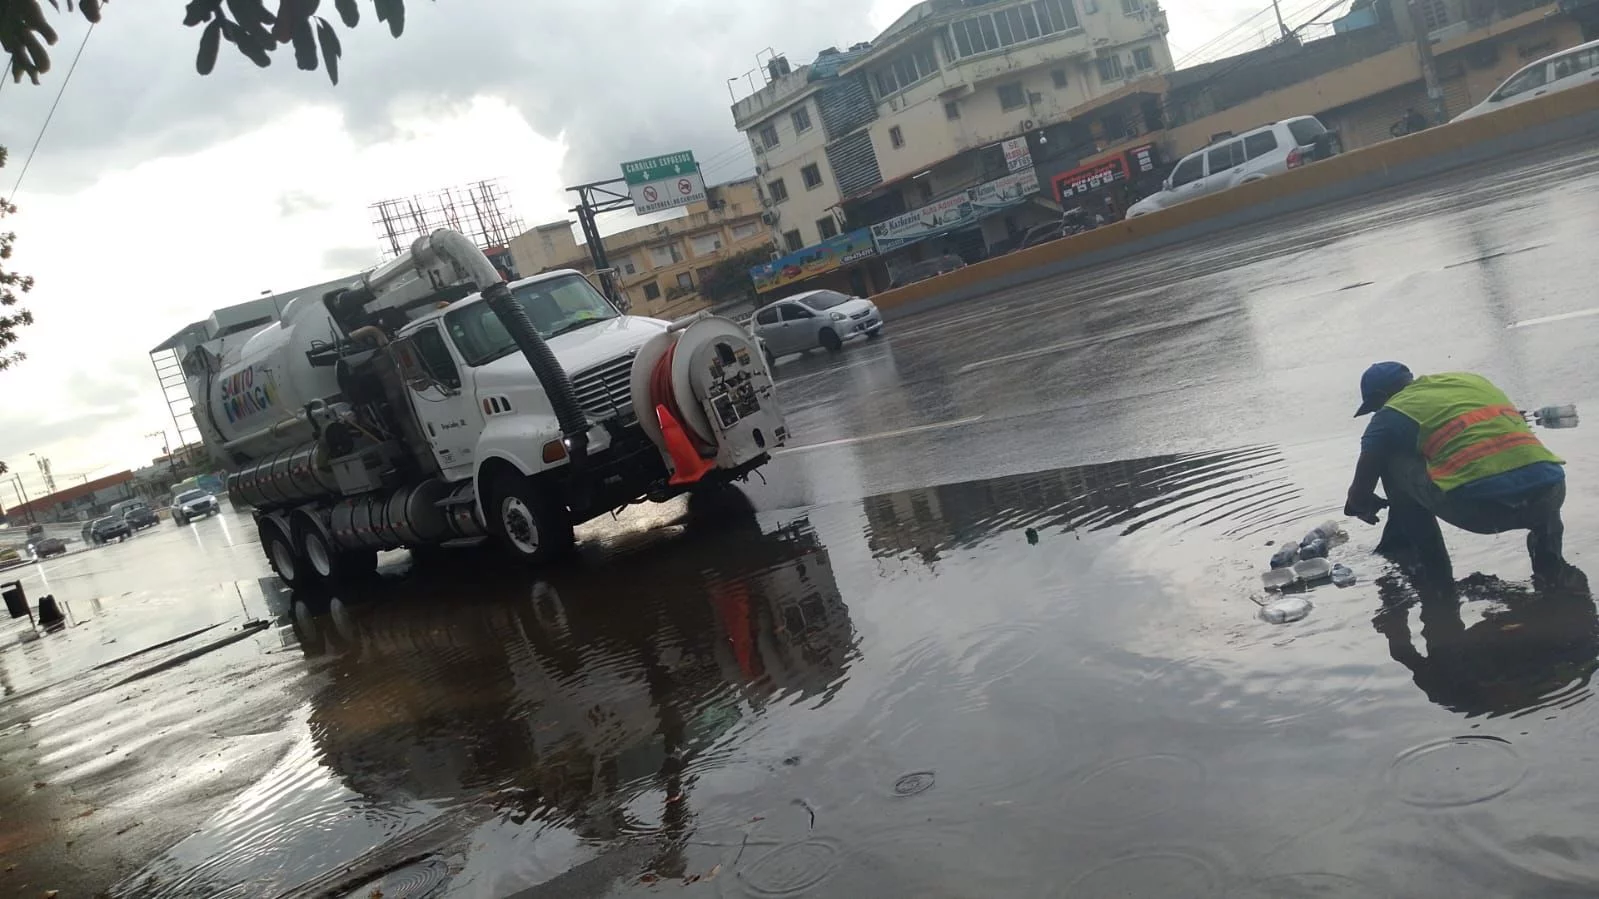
<point>989,629</point>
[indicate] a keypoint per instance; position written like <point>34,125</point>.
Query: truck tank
<point>256,402</point>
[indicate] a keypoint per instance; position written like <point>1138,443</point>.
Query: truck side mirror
<point>414,369</point>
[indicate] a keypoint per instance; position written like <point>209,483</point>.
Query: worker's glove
<point>1365,507</point>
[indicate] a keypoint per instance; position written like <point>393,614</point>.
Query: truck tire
<point>528,522</point>
<point>326,562</point>
<point>279,549</point>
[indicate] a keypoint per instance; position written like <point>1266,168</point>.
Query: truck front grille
<point>606,389</point>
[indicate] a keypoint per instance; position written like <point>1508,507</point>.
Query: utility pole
<point>16,482</point>
<point>166,448</point>
<point>1282,27</point>
<point>1429,69</point>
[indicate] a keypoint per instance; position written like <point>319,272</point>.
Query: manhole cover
<point>417,880</point>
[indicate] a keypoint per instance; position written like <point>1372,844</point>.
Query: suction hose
<point>552,377</point>
<point>661,394</point>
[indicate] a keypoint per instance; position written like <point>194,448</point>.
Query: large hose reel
<point>704,396</point>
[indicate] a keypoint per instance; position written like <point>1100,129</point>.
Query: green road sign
<point>659,168</point>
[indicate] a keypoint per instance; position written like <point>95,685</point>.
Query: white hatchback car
<point>1555,72</point>
<point>815,318</point>
<point>1242,158</point>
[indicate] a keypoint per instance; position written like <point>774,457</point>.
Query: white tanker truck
<point>429,403</point>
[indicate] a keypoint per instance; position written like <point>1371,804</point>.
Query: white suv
<point>1242,158</point>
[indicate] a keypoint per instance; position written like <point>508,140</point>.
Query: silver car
<point>815,318</point>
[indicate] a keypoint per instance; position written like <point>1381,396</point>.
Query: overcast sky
<point>157,195</point>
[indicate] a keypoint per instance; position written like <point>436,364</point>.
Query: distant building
<point>898,134</point>
<point>660,266</point>
<point>79,502</point>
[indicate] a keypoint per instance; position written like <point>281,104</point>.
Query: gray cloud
<point>350,259</point>
<point>621,79</point>
<point>298,202</point>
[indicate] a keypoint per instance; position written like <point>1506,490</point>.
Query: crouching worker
<point>1452,446</point>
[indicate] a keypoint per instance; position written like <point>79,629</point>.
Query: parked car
<point>927,268</point>
<point>1242,158</point>
<point>106,529</point>
<point>1555,72</point>
<point>192,504</point>
<point>136,513</point>
<point>1040,234</point>
<point>815,318</point>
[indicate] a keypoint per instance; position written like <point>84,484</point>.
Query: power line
<point>51,114</point>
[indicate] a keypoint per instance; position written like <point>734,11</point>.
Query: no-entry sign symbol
<point>685,186</point>
<point>650,194</point>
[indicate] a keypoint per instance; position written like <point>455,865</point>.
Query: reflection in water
<point>491,710</point>
<point>1531,650</point>
<point>1244,488</point>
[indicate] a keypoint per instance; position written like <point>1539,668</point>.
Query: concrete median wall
<point>1402,161</point>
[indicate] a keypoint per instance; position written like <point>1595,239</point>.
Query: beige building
<point>861,136</point>
<point>659,266</point>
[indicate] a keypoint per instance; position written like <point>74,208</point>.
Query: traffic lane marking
<point>885,435</point>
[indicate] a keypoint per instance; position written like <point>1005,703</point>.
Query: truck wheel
<point>531,524</point>
<point>280,555</point>
<point>330,564</point>
<point>830,340</point>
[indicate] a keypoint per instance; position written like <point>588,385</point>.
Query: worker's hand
<point>1365,507</point>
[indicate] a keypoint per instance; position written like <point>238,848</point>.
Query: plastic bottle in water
<point>1554,413</point>
<point>1285,610</point>
<point>1286,555</point>
<point>1313,548</point>
<point>1330,531</point>
<point>1342,577</point>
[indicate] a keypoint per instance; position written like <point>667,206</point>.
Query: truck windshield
<point>555,307</point>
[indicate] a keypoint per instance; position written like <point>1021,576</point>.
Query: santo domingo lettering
<point>243,396</point>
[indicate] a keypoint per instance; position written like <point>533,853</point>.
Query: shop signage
<point>819,259</point>
<point>954,212</point>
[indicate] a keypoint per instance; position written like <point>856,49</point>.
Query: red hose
<point>661,394</point>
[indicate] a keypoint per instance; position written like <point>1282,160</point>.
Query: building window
<point>1059,76</point>
<point>905,70</point>
<point>1029,21</point>
<point>1143,59</point>
<point>793,241</point>
<point>1110,68</point>
<point>812,175</point>
<point>952,110</point>
<point>1434,14</point>
<point>769,135</point>
<point>704,274</point>
<point>625,266</point>
<point>745,230</point>
<point>1011,96</point>
<point>706,244</point>
<point>924,190</point>
<point>652,291</point>
<point>685,280</point>
<point>826,227</point>
<point>1132,7</point>
<point>665,255</point>
<point>802,120</point>
<point>778,190</point>
<point>896,137</point>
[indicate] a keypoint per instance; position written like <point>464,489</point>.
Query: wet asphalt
<point>988,628</point>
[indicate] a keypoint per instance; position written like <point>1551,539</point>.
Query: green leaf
<point>330,48</point>
<point>210,40</point>
<point>349,12</point>
<point>304,46</point>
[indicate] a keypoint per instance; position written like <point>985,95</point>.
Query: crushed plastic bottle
<point>1279,578</point>
<point>1313,549</point>
<point>1550,413</point>
<point>1313,569</point>
<point>1285,555</point>
<point>1289,608</point>
<point>1330,531</point>
<point>1342,576</point>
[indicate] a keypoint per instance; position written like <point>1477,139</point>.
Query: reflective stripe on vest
<point>1467,429</point>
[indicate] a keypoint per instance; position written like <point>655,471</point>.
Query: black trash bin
<point>16,600</point>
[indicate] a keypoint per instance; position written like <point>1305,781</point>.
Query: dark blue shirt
<point>1391,432</point>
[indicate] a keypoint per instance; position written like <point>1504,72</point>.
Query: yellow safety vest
<point>1469,429</point>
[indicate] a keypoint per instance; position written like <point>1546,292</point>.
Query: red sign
<point>685,186</point>
<point>1141,159</point>
<point>1089,178</point>
<point>650,194</point>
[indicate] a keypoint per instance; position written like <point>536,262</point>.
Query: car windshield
<point>189,495</point>
<point>825,299</point>
<point>555,307</point>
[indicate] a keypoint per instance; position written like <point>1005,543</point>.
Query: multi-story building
<point>660,267</point>
<point>924,112</point>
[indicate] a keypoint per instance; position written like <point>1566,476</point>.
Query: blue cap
<point>1380,382</point>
